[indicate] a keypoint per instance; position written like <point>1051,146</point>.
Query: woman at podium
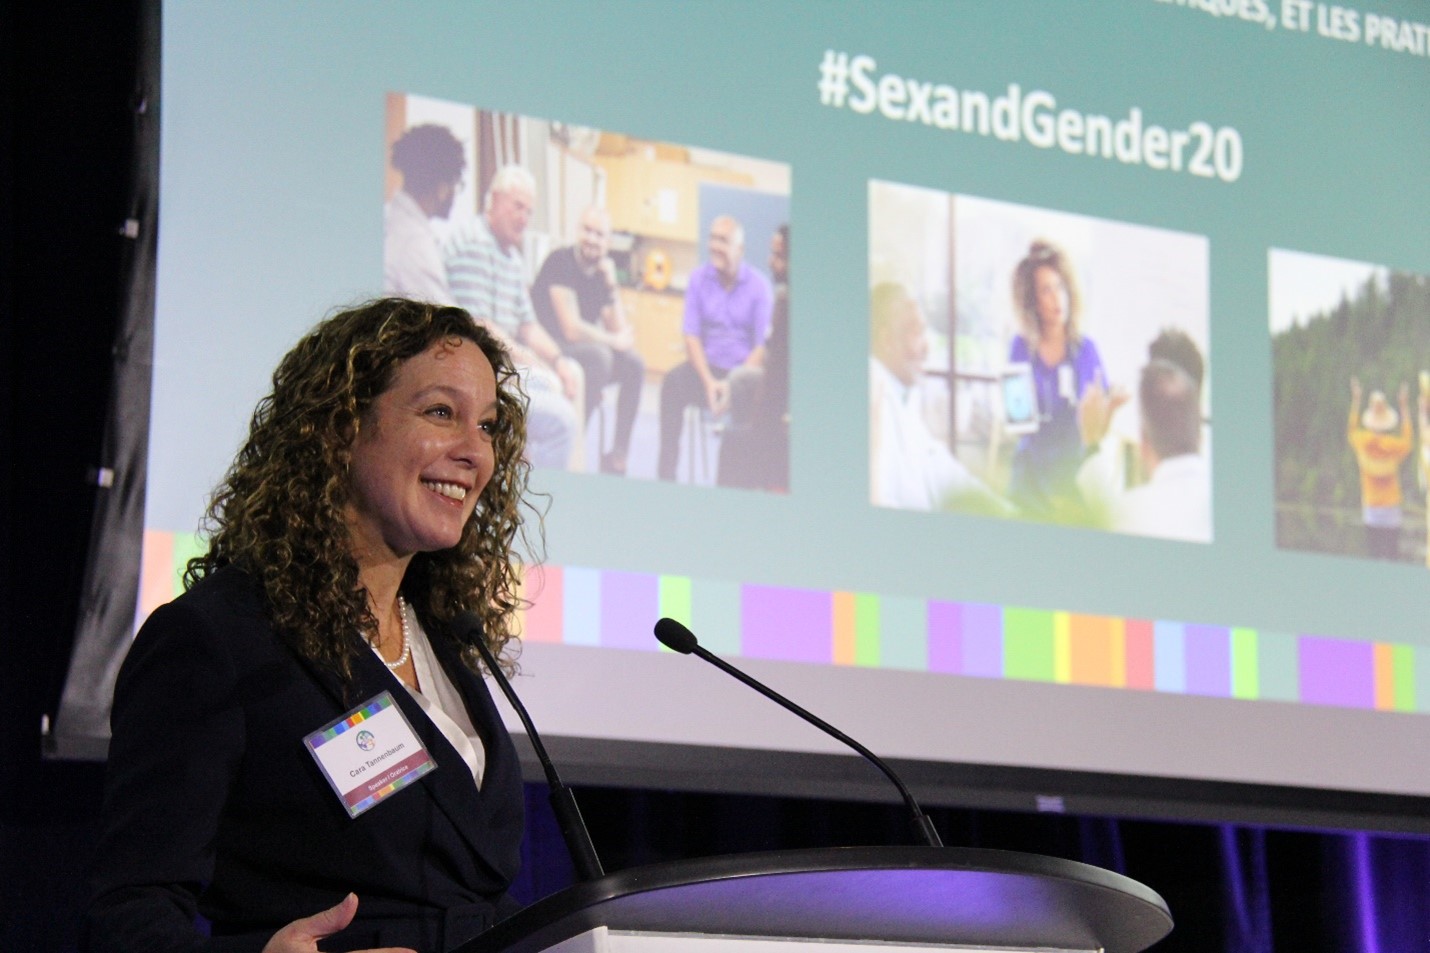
<point>304,750</point>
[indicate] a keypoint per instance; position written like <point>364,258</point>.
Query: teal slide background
<point>272,214</point>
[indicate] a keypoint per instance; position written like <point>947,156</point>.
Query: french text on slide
<point>1032,116</point>
<point>1331,21</point>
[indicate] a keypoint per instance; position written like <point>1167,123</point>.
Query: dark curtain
<point>69,73</point>
<point>111,577</point>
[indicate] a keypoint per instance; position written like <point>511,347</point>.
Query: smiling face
<point>1050,296</point>
<point>509,213</point>
<point>423,454</point>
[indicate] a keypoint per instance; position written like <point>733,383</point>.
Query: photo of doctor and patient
<point>1039,365</point>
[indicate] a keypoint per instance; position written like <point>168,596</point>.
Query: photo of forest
<point>1351,372</point>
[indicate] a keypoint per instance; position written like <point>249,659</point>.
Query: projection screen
<point>1051,486</point>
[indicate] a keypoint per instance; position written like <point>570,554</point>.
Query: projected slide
<point>999,459</point>
<point>1027,362</point>
<point>1351,361</point>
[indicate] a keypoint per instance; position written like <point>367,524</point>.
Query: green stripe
<point>1402,660</point>
<point>1028,651</point>
<point>866,629</point>
<point>186,546</point>
<point>1245,664</point>
<point>675,600</point>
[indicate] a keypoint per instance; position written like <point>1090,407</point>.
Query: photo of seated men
<point>1067,381</point>
<point>642,287</point>
<point>1350,344</point>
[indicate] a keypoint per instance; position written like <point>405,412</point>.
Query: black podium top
<point>903,894</point>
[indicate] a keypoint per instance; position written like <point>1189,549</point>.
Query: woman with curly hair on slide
<point>1066,370</point>
<point>379,495</point>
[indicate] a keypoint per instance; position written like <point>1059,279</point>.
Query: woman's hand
<point>1095,410</point>
<point>302,936</point>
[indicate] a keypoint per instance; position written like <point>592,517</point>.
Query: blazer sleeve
<point>178,734</point>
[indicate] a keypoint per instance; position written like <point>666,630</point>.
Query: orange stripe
<point>1384,677</point>
<point>843,610</point>
<point>156,572</point>
<point>1096,650</point>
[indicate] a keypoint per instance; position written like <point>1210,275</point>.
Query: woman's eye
<point>489,427</point>
<point>441,411</point>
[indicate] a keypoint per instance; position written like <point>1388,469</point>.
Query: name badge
<point>369,754</point>
<point>1067,383</point>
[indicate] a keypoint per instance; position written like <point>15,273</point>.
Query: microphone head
<point>675,636</point>
<point>468,622</point>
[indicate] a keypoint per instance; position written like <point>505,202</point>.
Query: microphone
<point>678,638</point>
<point>563,802</point>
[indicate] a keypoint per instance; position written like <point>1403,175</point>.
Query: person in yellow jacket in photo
<point>1381,439</point>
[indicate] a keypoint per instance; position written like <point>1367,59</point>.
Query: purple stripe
<point>791,624</point>
<point>1208,660</point>
<point>630,604</point>
<point>945,635</point>
<point>982,639</point>
<point>1336,672</point>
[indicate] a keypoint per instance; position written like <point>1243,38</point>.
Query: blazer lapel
<point>451,786</point>
<point>501,774</point>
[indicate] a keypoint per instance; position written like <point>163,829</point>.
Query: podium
<point>843,900</point>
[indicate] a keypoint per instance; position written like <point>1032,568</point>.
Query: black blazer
<point>213,803</point>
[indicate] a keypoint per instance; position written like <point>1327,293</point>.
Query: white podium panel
<point>604,940</point>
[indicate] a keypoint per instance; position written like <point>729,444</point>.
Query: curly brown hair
<point>1044,254</point>
<point>278,515</point>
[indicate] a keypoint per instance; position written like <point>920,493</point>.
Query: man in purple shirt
<point>727,318</point>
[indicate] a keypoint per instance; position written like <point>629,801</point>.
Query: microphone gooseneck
<point>676,637</point>
<point>563,802</point>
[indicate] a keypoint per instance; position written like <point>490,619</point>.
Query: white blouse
<point>442,702</point>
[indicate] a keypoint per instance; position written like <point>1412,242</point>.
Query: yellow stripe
<point>1062,648</point>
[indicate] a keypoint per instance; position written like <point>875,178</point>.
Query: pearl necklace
<point>406,639</point>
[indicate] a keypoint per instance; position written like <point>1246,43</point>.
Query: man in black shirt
<point>575,300</point>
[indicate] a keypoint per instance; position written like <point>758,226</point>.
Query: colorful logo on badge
<point>366,741</point>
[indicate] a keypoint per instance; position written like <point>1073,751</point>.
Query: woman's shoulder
<point>225,591</point>
<point>225,607</point>
<point>197,646</point>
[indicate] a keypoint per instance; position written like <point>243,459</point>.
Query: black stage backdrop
<point>74,83</point>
